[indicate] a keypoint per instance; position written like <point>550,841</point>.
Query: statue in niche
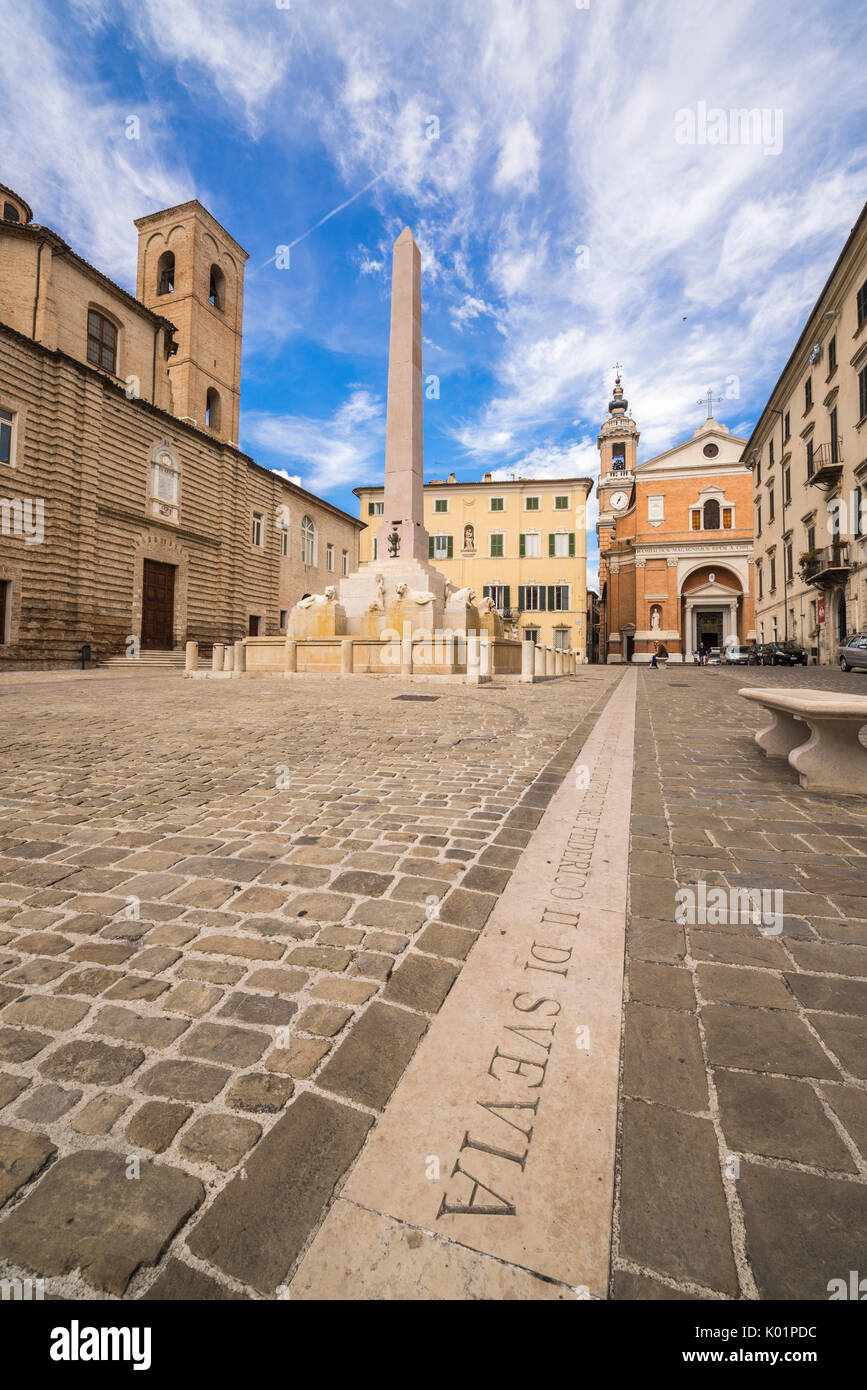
<point>469,537</point>
<point>655,618</point>
<point>319,600</point>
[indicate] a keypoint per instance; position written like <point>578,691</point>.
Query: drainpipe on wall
<point>38,281</point>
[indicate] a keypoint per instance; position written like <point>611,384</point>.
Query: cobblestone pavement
<point>743,1117</point>
<point>219,950</point>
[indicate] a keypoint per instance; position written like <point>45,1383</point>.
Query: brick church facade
<point>675,542</point>
<point>128,515</point>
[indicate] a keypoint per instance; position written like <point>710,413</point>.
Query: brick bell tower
<point>618,449</point>
<point>191,271</point>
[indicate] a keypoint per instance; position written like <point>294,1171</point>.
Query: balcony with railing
<point>827,566</point>
<point>827,463</point>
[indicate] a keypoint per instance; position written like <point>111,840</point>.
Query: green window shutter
<point>571,544</point>
<point>507,597</point>
<point>486,591</point>
<point>552,602</point>
<point>551,543</point>
<point>521,602</point>
<point>522,546</point>
<point>430,547</point>
<point>370,509</point>
<point>451,549</point>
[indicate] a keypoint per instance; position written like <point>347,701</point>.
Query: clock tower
<point>618,447</point>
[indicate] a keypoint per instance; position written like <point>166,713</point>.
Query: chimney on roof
<point>452,478</point>
<point>487,478</point>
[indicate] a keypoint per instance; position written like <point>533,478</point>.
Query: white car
<point>714,657</point>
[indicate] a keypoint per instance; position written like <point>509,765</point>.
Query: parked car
<point>714,657</point>
<point>737,656</point>
<point>779,654</point>
<point>853,652</point>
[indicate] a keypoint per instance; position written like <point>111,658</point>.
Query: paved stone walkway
<point>229,914</point>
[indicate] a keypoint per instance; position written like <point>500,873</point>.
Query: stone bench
<point>818,732</point>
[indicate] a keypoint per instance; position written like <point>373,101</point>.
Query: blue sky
<point>532,147</point>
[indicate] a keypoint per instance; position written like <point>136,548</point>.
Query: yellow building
<point>522,543</point>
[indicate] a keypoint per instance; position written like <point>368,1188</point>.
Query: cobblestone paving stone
<point>742,1168</point>
<point>219,949</point>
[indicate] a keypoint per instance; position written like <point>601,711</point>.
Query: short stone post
<point>485,661</point>
<point>538,660</point>
<point>240,658</point>
<point>290,657</point>
<point>528,662</point>
<point>570,663</point>
<point>346,657</point>
<point>549,661</point>
<point>217,657</point>
<point>406,652</point>
<point>474,664</point>
<point>558,662</point>
<point>191,663</point>
<point>229,659</point>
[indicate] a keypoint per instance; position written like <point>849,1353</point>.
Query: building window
<point>530,634</point>
<point>787,426</point>
<point>562,639</point>
<point>375,547</point>
<point>375,508</point>
<point>6,450</point>
<point>811,538</point>
<point>329,557</point>
<point>283,617</point>
<point>773,568</point>
<point>500,595</point>
<point>862,305</point>
<point>308,541</point>
<point>497,545</point>
<point>728,517</point>
<point>832,355</point>
<point>344,563</point>
<point>258,530</point>
<point>532,598</point>
<point>213,410</point>
<point>758,472</point>
<point>789,565</point>
<point>770,504</point>
<point>758,518</point>
<point>441,548</point>
<point>809,458</point>
<point>10,214</point>
<point>695,520</point>
<point>835,443</point>
<point>862,393</point>
<point>759,580</point>
<point>710,514</point>
<point>498,504</point>
<point>101,342</point>
<point>284,540</point>
<point>165,485</point>
<point>561,544</point>
<point>561,504</point>
<point>857,499</point>
<point>166,273</point>
<point>618,458</point>
<point>787,487</point>
<point>531,504</point>
<point>808,393</point>
<point>770,453</point>
<point>558,598</point>
<point>530,545</point>
<point>441,504</point>
<point>217,288</point>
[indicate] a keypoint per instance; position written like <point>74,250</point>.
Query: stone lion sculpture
<point>486,605</point>
<point>319,600</point>
<point>419,596</point>
<point>459,596</point>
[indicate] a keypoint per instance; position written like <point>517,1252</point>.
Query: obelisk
<point>403,513</point>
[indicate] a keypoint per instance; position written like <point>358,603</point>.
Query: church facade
<point>130,520</point>
<point>675,542</point>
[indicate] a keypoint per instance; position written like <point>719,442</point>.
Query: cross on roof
<point>710,400</point>
<point>618,368</point>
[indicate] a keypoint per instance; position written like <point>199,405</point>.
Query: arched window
<point>711,514</point>
<point>166,273</point>
<point>308,541</point>
<point>212,409</point>
<point>217,288</point>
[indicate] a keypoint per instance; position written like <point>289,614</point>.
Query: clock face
<point>619,500</point>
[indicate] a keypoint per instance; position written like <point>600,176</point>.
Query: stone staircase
<point>155,663</point>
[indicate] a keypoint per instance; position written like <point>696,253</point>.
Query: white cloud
<point>518,165</point>
<point>335,451</point>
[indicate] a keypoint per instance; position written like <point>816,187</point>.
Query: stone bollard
<point>528,662</point>
<point>538,660</point>
<point>290,657</point>
<point>240,658</point>
<point>549,661</point>
<point>558,662</point>
<point>484,658</point>
<point>229,659</point>
<point>346,657</point>
<point>570,663</point>
<point>406,653</point>
<point>474,665</point>
<point>217,657</point>
<point>191,663</point>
